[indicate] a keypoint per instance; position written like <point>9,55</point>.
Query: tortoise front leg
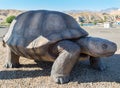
<point>96,63</point>
<point>12,60</point>
<point>68,56</point>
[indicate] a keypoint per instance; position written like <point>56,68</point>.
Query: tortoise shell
<point>34,29</point>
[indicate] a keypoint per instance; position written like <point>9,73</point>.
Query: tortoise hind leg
<point>68,56</point>
<point>96,63</point>
<point>12,60</point>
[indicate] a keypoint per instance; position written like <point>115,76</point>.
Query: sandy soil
<point>32,75</point>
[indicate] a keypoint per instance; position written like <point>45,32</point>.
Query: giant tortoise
<point>53,36</point>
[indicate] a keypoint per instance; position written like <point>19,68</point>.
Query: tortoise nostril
<point>104,46</point>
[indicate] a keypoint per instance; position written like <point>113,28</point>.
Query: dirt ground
<point>32,75</point>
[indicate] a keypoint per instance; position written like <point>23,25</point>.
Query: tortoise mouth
<point>104,54</point>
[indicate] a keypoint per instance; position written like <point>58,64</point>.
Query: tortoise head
<point>97,47</point>
<point>102,47</point>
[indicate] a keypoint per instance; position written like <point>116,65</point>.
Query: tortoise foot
<point>99,67</point>
<point>61,79</point>
<point>10,65</point>
<point>97,63</point>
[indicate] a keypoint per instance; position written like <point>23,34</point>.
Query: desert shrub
<point>4,24</point>
<point>95,22</point>
<point>105,18</point>
<point>10,19</point>
<point>101,21</point>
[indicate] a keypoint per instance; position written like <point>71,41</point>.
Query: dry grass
<point>32,75</point>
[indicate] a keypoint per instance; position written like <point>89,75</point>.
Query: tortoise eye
<point>104,46</point>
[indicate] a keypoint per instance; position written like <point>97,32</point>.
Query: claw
<point>10,65</point>
<point>61,79</point>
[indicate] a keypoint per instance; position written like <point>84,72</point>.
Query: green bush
<point>105,18</point>
<point>95,22</point>
<point>10,19</point>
